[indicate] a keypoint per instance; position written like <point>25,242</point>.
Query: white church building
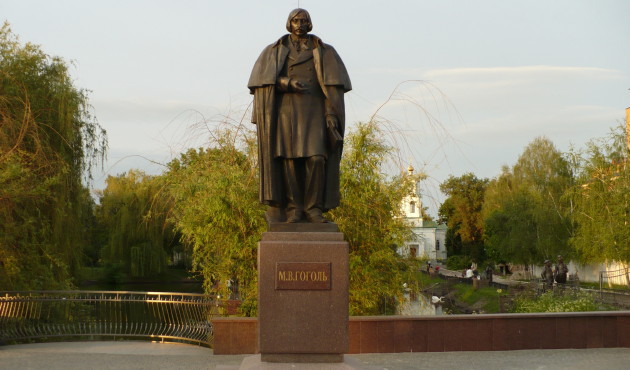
<point>429,237</point>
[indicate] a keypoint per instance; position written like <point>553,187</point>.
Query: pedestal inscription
<point>303,275</point>
<point>303,297</point>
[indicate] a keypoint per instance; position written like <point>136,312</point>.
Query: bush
<point>556,302</point>
<point>458,262</point>
<point>114,273</point>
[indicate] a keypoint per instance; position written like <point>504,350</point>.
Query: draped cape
<point>333,79</point>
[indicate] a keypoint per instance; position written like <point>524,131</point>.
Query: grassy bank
<point>481,300</point>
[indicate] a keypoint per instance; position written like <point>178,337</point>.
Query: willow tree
<point>133,212</point>
<point>215,207</point>
<point>372,221</point>
<point>48,144</point>
<point>602,200</point>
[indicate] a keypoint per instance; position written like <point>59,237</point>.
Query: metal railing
<point>612,275</point>
<point>26,315</point>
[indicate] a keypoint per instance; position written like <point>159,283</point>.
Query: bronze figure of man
<point>298,83</point>
<point>547,275</point>
<point>560,271</point>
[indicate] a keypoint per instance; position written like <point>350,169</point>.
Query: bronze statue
<point>560,271</point>
<point>298,84</point>
<point>489,273</point>
<point>547,274</point>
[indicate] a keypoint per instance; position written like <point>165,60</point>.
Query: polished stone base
<point>300,227</point>
<point>302,357</point>
<point>301,320</point>
<point>346,363</point>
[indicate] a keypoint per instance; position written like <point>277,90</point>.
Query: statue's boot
<point>294,214</point>
<point>315,216</point>
<point>275,214</point>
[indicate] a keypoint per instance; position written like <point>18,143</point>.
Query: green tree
<point>462,212</point>
<point>48,145</point>
<point>134,217</point>
<point>602,200</point>
<point>527,218</point>
<point>215,207</point>
<point>511,231</point>
<point>371,218</point>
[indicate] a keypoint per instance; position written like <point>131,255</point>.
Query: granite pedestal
<point>303,294</point>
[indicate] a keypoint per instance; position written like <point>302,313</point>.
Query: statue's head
<point>560,258</point>
<point>299,22</point>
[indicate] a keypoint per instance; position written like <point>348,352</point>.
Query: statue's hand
<point>297,86</point>
<point>332,122</point>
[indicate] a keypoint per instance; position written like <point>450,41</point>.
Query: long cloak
<point>334,81</point>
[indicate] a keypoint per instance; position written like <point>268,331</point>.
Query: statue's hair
<point>294,13</point>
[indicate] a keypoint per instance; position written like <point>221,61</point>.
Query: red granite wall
<point>501,332</point>
<point>235,335</point>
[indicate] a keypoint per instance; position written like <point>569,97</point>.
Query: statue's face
<point>299,25</point>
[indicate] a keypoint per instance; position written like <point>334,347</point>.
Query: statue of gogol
<point>298,83</point>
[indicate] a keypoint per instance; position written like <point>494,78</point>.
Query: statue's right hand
<point>297,86</point>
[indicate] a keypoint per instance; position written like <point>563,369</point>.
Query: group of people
<point>433,270</point>
<point>472,272</point>
<point>558,273</point>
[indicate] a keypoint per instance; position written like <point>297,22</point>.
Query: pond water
<point>419,305</point>
<point>176,280</point>
<point>415,305</point>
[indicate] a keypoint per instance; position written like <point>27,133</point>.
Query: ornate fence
<point>613,276</point>
<point>96,314</point>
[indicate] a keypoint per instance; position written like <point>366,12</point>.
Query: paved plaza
<point>146,355</point>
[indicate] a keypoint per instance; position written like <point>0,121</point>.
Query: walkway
<point>145,355</point>
<point>619,298</point>
<point>495,278</point>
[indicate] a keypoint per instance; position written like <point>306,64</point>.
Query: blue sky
<point>484,78</point>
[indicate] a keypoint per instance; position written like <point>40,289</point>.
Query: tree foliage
<point>462,212</point>
<point>215,207</point>
<point>602,200</point>
<point>372,221</point>
<point>526,216</point>
<point>134,213</point>
<point>48,145</point>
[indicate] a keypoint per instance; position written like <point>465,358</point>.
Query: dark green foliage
<point>133,213</point>
<point>48,144</point>
<point>527,219</point>
<point>458,262</point>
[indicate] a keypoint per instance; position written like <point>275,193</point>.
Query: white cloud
<point>518,71</point>
<point>462,120</point>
